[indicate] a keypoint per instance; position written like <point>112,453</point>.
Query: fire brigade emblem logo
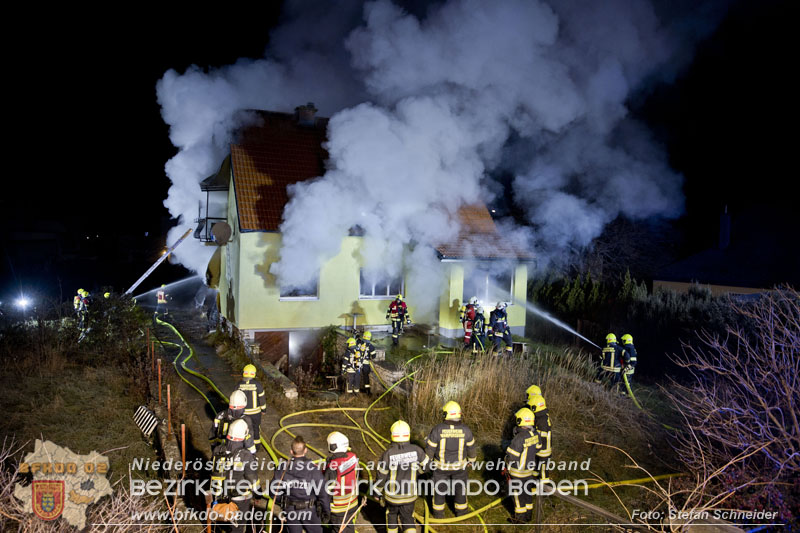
<point>48,499</point>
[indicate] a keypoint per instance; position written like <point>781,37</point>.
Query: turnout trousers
<point>402,513</point>
<point>522,490</point>
<point>449,482</point>
<point>349,516</point>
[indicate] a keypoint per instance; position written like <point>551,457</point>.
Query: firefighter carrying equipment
<point>398,313</point>
<point>342,468</point>
<point>468,313</point>
<point>367,353</point>
<point>401,431</point>
<point>629,355</point>
<point>499,329</point>
<point>612,357</point>
<point>452,411</point>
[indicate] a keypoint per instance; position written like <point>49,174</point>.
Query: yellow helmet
<point>537,404</point>
<point>532,391</point>
<point>80,291</point>
<point>367,336</point>
<point>452,411</point>
<point>351,342</point>
<point>85,293</point>
<point>107,295</point>
<point>249,371</point>
<point>163,286</point>
<point>611,338</point>
<point>399,296</point>
<point>524,417</point>
<point>627,339</point>
<point>401,431</point>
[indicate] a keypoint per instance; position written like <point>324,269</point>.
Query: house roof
<point>277,152</point>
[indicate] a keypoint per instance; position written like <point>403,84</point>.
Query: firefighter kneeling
<point>232,465</point>
<point>521,466</point>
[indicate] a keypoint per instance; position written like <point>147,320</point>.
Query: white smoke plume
<point>438,101</point>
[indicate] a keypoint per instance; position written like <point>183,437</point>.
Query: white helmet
<point>338,442</point>
<point>238,400</point>
<point>500,305</point>
<point>473,300</point>
<point>237,431</point>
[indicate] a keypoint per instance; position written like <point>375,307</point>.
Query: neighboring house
<point>752,256</point>
<point>287,148</point>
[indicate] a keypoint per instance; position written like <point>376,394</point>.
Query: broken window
<point>380,287</point>
<point>309,291</point>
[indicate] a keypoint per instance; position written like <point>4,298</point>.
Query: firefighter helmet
<point>351,342</point>
<point>163,286</point>
<point>107,295</point>
<point>249,371</point>
<point>500,305</point>
<point>537,404</point>
<point>338,442</point>
<point>80,291</point>
<point>399,296</point>
<point>532,391</point>
<point>524,417</point>
<point>401,431</point>
<point>85,293</point>
<point>627,339</point>
<point>367,336</point>
<point>473,300</point>
<point>237,431</point>
<point>611,338</point>
<point>452,411</point>
<point>238,400</point>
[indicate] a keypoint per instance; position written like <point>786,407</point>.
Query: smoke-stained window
<point>489,283</point>
<point>379,288</point>
<point>306,292</point>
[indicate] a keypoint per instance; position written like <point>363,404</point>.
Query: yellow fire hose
<point>636,402</point>
<point>425,519</point>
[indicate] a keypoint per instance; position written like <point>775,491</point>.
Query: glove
<point>382,502</point>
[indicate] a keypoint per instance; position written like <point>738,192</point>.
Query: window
<point>306,292</point>
<point>490,284</point>
<point>381,288</point>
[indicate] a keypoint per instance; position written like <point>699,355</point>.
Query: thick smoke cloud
<point>429,106</point>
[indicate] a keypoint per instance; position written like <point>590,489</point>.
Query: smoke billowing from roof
<point>424,108</point>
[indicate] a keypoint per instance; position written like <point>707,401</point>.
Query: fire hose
<point>271,449</point>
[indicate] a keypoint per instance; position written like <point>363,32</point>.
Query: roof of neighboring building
<point>277,152</point>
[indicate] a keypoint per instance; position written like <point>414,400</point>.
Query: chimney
<point>724,229</point>
<point>305,114</point>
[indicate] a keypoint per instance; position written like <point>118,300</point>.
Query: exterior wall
<point>449,306</point>
<point>716,290</point>
<point>259,305</point>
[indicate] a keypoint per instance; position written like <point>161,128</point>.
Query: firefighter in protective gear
<point>499,329</point>
<point>398,469</point>
<point>398,314</point>
<point>83,313</point>
<point>467,315</point>
<point>545,431</point>
<point>351,366</point>
<point>533,390</point>
<point>479,331</point>
<point>299,487</point>
<point>628,357</point>
<point>451,448</point>
<point>611,360</point>
<point>256,401</point>
<point>341,468</point>
<point>368,353</point>
<point>161,301</point>
<point>521,465</point>
<point>234,476</point>
<point>235,411</point>
<point>76,303</point>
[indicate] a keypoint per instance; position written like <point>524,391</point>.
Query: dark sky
<point>89,146</point>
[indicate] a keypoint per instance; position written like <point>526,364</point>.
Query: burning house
<point>243,213</point>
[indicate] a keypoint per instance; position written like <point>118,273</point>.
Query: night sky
<point>89,146</point>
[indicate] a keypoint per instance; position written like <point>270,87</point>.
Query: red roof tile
<point>278,152</point>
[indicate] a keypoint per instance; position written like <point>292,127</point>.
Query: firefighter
<point>451,448</point>
<point>398,469</point>
<point>544,430</point>
<point>479,331</point>
<point>398,313</point>
<point>234,476</point>
<point>351,366</point>
<point>521,466</point>
<point>299,487</point>
<point>256,401</point>
<point>76,303</point>
<point>161,301</point>
<point>83,314</point>
<point>531,392</point>
<point>499,330</point>
<point>235,411</point>
<point>611,362</point>
<point>628,357</point>
<point>467,316</point>
<point>341,475</point>
<point>368,353</point>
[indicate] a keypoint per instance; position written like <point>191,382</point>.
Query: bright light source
<point>23,302</point>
